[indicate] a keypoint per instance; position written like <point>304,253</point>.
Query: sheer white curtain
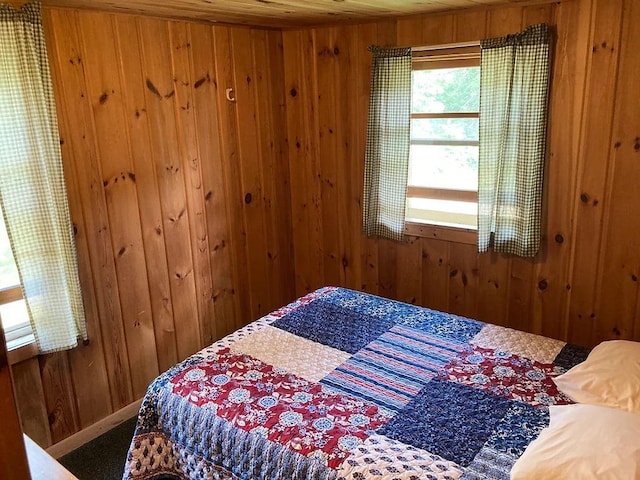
<point>32,189</point>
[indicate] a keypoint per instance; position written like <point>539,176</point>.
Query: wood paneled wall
<point>186,218</point>
<point>179,198</point>
<point>583,285</point>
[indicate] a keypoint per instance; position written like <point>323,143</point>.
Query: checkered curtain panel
<point>32,189</point>
<point>514,82</point>
<point>388,137</point>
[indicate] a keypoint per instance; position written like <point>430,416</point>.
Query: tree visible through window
<point>443,165</point>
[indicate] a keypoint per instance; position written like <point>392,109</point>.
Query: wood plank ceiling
<point>277,13</point>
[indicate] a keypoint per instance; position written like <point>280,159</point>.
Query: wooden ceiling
<point>277,13</point>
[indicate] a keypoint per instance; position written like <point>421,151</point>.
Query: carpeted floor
<point>104,457</point>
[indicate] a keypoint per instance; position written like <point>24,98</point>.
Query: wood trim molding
<point>20,353</point>
<point>432,57</point>
<point>10,294</point>
<point>442,194</point>
<point>78,439</point>
<point>430,115</point>
<point>442,232</point>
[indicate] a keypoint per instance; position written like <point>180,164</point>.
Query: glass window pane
<point>446,90</point>
<point>14,314</point>
<point>443,212</point>
<point>438,166</point>
<point>8,271</point>
<point>444,129</point>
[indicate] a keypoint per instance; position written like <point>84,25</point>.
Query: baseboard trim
<point>78,439</point>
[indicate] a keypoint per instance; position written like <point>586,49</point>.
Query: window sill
<point>441,232</point>
<point>21,349</point>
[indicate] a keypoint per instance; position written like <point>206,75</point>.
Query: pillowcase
<point>610,376</point>
<point>583,442</point>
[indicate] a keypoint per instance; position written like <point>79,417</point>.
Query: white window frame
<point>20,334</point>
<point>427,58</point>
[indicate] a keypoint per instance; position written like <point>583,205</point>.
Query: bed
<point>345,385</point>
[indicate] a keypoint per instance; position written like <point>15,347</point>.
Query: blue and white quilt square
<point>444,325</point>
<point>334,326</point>
<point>518,428</point>
<point>570,356</point>
<point>448,419</point>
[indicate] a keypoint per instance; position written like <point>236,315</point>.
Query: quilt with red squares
<point>344,385</point>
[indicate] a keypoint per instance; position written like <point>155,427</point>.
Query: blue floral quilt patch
<point>445,325</point>
<point>570,356</point>
<point>518,428</point>
<point>448,419</point>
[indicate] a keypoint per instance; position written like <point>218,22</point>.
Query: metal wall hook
<point>230,94</point>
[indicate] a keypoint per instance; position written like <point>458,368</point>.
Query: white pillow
<point>583,442</point>
<point>610,376</point>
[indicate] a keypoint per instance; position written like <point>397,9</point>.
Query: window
<point>13,310</point>
<point>442,183</point>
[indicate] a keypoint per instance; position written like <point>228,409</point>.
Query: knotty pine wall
<point>179,199</point>
<point>583,285</point>
<point>174,252</point>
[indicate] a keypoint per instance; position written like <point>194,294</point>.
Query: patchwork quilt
<point>345,385</point>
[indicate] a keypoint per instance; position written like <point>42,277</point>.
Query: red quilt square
<point>507,375</point>
<point>279,406</point>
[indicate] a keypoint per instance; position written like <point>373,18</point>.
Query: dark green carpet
<point>103,458</point>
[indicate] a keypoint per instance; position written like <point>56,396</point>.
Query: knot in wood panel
<point>200,81</point>
<point>152,88</point>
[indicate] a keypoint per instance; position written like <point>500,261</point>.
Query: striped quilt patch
<point>393,368</point>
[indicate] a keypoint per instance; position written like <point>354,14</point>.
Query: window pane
<point>446,90</point>
<point>444,129</point>
<point>8,271</point>
<point>14,314</point>
<point>443,212</point>
<point>438,166</point>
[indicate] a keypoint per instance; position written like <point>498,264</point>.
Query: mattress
<point>346,385</point>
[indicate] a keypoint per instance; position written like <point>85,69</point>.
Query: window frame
<point>16,333</point>
<point>434,57</point>
<point>20,334</point>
